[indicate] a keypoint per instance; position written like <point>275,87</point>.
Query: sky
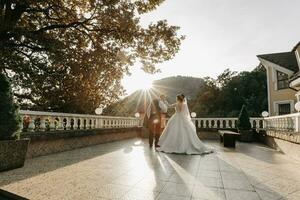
<point>221,34</point>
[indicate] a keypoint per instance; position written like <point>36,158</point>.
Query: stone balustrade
<point>225,123</point>
<point>290,122</point>
<point>51,121</point>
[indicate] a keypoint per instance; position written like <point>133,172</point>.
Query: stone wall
<point>208,135</point>
<point>286,142</point>
<point>43,143</point>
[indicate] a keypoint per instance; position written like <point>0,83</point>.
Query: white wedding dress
<point>180,136</point>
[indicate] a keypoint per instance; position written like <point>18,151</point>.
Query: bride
<point>180,134</point>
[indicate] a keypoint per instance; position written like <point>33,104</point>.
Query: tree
<point>9,116</point>
<point>71,55</point>
<point>224,96</point>
<point>205,103</point>
<point>243,122</point>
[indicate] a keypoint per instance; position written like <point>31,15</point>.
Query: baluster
<point>108,124</point>
<point>103,123</point>
<point>31,125</point>
<point>21,123</point>
<point>100,123</point>
<point>68,123</point>
<point>88,125</point>
<point>96,123</point>
<point>92,123</point>
<point>52,123</point>
<point>280,124</point>
<point>60,123</point>
<point>75,123</point>
<point>113,123</point>
<point>80,123</point>
<point>43,123</point>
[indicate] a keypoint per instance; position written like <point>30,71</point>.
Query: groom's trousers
<point>155,129</point>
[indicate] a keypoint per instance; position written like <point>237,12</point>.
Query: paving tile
<point>209,182</point>
<point>112,191</point>
<point>182,178</point>
<point>238,184</point>
<point>241,194</point>
<point>281,186</point>
<point>209,173</point>
<point>138,194</point>
<point>208,193</point>
<point>178,189</point>
<point>130,170</point>
<point>293,196</point>
<point>127,180</point>
<point>165,196</point>
<point>268,195</point>
<point>233,175</point>
<point>151,185</point>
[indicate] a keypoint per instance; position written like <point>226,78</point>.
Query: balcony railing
<point>289,122</point>
<point>225,123</point>
<point>36,121</point>
<point>51,121</point>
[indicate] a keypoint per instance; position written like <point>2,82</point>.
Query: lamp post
<point>265,114</point>
<point>99,110</point>
<point>297,106</point>
<point>137,115</point>
<point>193,114</point>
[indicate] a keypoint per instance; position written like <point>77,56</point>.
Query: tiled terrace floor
<point>130,170</point>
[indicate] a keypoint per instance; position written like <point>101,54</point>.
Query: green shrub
<point>9,116</point>
<point>243,122</point>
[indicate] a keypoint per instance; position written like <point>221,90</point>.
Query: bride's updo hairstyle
<point>180,98</point>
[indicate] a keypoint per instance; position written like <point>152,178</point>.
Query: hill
<point>170,86</point>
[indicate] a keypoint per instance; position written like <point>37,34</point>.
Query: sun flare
<point>146,85</point>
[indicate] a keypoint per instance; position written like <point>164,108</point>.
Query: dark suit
<point>153,122</point>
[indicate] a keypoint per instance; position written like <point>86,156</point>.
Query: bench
<point>228,138</point>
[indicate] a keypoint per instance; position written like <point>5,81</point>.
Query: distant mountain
<point>171,86</point>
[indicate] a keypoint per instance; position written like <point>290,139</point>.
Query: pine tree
<point>9,117</point>
<point>243,122</point>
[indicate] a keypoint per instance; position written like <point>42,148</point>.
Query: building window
<point>282,80</point>
<point>284,109</point>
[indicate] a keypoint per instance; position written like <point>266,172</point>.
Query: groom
<point>163,105</point>
<point>155,119</point>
